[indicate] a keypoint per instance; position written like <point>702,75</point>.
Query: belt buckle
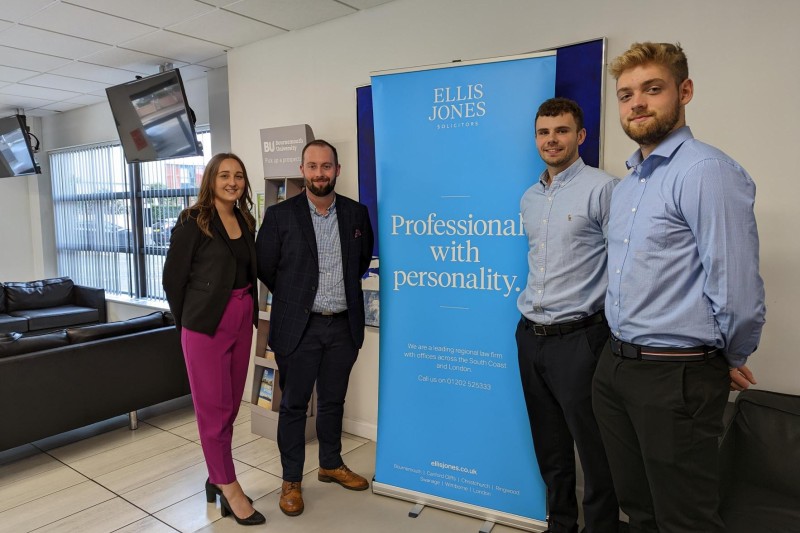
<point>629,351</point>
<point>624,350</point>
<point>539,329</point>
<point>327,313</point>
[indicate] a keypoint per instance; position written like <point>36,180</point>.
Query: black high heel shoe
<point>253,520</point>
<point>212,491</point>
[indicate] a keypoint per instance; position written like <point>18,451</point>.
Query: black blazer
<point>199,273</point>
<point>288,265</point>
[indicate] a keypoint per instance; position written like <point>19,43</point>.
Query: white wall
<point>742,57</point>
<point>16,260</point>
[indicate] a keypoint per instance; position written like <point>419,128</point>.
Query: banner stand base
<point>489,515</point>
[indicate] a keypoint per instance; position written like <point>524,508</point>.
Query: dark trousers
<point>556,374</point>
<point>326,355</point>
<point>661,422</point>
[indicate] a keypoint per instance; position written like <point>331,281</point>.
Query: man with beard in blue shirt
<point>685,302</point>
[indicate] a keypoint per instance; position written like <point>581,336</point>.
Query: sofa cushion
<point>38,294</point>
<point>768,441</point>
<point>58,317</point>
<point>10,323</point>
<point>2,298</point>
<point>15,343</point>
<point>115,329</point>
<point>750,508</point>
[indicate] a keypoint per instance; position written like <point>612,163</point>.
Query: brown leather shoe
<point>344,477</point>
<point>291,502</point>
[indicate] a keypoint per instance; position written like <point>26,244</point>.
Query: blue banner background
<point>451,417</point>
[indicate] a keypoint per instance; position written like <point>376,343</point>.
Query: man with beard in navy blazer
<point>312,251</point>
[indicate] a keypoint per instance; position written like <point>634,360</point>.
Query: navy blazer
<point>199,273</point>
<point>288,265</point>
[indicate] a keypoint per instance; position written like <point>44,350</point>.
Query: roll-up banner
<point>455,150</point>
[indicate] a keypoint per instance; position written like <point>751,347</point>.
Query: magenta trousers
<point>217,367</point>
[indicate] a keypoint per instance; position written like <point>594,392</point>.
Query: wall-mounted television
<point>153,118</point>
<point>16,154</point>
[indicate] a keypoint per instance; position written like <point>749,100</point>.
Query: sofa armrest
<point>91,297</point>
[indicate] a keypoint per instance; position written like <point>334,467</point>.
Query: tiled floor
<point>106,478</point>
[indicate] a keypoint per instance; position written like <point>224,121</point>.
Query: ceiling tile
<point>98,73</point>
<point>40,112</point>
<point>291,14</point>
<point>51,81</point>
<point>14,75</point>
<point>47,42</point>
<point>56,55</point>
<point>24,102</point>
<point>178,47</point>
<point>132,60</point>
<point>44,93</point>
<point>215,62</point>
<point>158,13</point>
<point>13,57</point>
<point>62,106</point>
<point>219,3</point>
<point>17,11</point>
<point>365,4</point>
<point>87,99</point>
<point>226,28</point>
<point>88,24</point>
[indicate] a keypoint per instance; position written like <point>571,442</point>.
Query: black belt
<point>649,353</point>
<point>330,314</point>
<point>565,327</point>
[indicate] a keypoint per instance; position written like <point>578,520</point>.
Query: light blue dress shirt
<point>330,292</point>
<point>566,227</point>
<point>683,251</point>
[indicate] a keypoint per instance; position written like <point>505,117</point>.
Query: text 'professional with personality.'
<point>312,251</point>
<point>685,302</point>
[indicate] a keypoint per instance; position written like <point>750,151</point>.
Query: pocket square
<point>357,233</point>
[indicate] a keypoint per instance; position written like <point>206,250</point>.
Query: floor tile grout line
<point>116,495</point>
<point>99,434</point>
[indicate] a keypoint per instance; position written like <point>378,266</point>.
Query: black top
<point>242,254</point>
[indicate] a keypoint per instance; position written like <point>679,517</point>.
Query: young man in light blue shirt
<point>685,302</point>
<point>562,329</point>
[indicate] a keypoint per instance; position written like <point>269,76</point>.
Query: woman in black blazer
<point>209,278</point>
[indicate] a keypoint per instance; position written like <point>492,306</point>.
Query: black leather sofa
<point>66,379</point>
<point>760,464</point>
<point>48,304</point>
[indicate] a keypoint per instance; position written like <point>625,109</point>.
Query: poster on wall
<point>454,153</point>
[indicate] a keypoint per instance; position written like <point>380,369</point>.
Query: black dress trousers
<point>556,373</point>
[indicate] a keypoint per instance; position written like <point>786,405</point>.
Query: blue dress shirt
<point>566,227</point>
<point>683,251</point>
<point>330,294</point>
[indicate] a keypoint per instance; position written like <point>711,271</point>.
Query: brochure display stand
<point>281,153</point>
